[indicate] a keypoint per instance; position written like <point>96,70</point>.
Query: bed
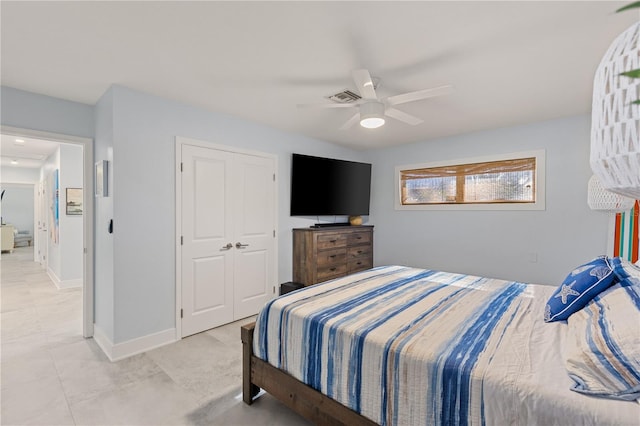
<point>395,345</point>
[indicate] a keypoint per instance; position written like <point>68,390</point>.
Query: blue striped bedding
<point>406,346</point>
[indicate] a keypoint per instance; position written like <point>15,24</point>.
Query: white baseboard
<point>53,277</point>
<point>70,284</point>
<point>118,351</point>
<point>60,284</point>
<point>103,341</point>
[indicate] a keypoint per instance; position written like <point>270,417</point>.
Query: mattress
<point>407,346</point>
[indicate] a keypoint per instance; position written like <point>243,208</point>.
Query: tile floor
<point>51,375</point>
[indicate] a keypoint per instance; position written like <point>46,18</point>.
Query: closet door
<point>207,236</point>
<point>254,239</point>
<point>228,236</point>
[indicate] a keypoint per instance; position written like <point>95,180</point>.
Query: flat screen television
<point>327,186</point>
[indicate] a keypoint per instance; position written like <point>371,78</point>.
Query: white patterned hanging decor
<point>600,198</point>
<point>615,120</point>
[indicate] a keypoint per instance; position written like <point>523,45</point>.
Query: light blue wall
<point>104,287</point>
<point>496,243</point>
<point>38,112</point>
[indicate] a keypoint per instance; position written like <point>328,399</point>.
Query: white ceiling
<point>25,152</point>
<point>510,62</point>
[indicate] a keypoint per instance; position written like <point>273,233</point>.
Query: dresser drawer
<point>355,252</point>
<point>358,265</point>
<point>356,238</point>
<point>329,241</point>
<point>328,258</point>
<point>329,272</point>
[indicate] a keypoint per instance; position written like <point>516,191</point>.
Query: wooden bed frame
<point>304,400</point>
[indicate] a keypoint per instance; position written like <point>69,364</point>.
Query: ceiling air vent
<point>344,97</point>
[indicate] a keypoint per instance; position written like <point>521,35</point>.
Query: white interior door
<point>228,236</point>
<point>40,243</point>
<point>254,218</point>
<point>207,251</point>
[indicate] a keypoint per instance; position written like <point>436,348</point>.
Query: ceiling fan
<point>372,109</point>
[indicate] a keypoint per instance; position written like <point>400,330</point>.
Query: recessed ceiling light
<point>14,162</point>
<point>19,142</point>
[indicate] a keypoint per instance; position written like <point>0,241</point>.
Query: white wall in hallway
<point>71,226</point>
<point>65,244</point>
<point>19,175</point>
<point>18,206</point>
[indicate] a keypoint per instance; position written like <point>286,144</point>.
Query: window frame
<point>539,183</point>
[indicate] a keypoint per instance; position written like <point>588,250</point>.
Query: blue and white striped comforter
<point>405,346</point>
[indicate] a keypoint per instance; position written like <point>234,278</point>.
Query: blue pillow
<point>626,272</point>
<point>581,285</point>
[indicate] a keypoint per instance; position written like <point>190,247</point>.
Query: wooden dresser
<point>321,254</point>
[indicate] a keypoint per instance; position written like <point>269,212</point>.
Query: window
<point>513,181</point>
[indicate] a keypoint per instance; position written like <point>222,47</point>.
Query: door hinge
<point>181,240</point>
<point>181,313</point>
<point>274,177</point>
<point>274,233</point>
<point>274,290</point>
<point>181,166</point>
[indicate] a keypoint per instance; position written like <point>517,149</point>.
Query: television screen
<point>326,186</point>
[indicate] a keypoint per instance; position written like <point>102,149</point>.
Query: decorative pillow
<point>626,272</point>
<point>580,286</point>
<point>602,351</point>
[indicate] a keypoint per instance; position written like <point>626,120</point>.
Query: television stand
<point>328,225</point>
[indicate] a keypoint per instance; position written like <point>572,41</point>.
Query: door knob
<point>240,245</point>
<point>229,246</point>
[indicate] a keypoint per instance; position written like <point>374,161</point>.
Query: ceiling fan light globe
<point>372,115</point>
<point>372,122</point>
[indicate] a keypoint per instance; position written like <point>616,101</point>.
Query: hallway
<point>51,375</point>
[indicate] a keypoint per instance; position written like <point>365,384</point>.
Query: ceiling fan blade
<point>327,105</point>
<point>350,122</point>
<point>363,81</point>
<point>403,116</point>
<point>419,95</point>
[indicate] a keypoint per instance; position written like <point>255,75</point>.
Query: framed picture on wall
<point>101,178</point>
<point>74,201</point>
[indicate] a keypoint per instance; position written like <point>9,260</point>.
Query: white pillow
<point>602,354</point>
<point>626,272</point>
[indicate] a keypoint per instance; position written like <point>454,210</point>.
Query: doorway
<point>87,215</point>
<point>226,229</point>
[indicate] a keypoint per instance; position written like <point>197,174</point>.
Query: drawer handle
<point>359,251</point>
<point>332,241</point>
<point>332,256</point>
<point>359,263</point>
<point>332,269</point>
